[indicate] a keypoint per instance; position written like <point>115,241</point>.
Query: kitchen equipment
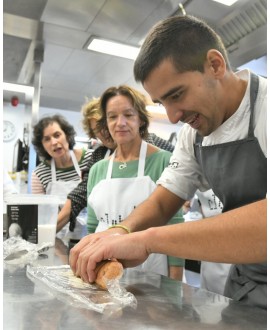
<point>33,217</point>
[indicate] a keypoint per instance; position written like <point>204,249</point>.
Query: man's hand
<point>129,249</point>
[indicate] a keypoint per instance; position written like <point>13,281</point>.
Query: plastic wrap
<point>65,286</point>
<point>16,244</point>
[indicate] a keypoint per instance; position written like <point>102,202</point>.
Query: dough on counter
<point>74,281</point>
<point>108,270</point>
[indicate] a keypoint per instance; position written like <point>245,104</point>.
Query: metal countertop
<point>162,304</point>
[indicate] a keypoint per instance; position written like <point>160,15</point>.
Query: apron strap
<point>254,86</point>
<point>109,171</point>
<point>75,163</point>
<point>143,151</point>
<point>108,152</point>
<point>53,170</point>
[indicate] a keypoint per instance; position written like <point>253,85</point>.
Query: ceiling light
<point>226,2</point>
<point>29,90</point>
<point>113,48</point>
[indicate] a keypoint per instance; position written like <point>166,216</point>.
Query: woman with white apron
<point>113,200</point>
<point>63,188</point>
<point>118,185</point>
<point>54,140</point>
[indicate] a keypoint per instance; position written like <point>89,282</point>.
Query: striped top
<point>42,175</point>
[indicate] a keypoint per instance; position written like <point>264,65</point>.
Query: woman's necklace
<point>122,166</point>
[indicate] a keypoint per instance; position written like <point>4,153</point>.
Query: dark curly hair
<point>38,131</point>
<point>136,98</point>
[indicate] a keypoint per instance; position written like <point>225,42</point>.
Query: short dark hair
<point>185,40</point>
<point>137,100</point>
<point>38,131</point>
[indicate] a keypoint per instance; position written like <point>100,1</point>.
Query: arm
<point>78,196</point>
<point>237,236</point>
<point>159,142</point>
<point>36,185</point>
<point>176,265</point>
<point>92,223</point>
<point>76,201</point>
<point>176,272</point>
<point>155,211</point>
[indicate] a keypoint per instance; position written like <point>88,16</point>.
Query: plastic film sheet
<point>72,290</point>
<point>16,244</point>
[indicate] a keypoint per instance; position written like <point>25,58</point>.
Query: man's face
<point>191,97</point>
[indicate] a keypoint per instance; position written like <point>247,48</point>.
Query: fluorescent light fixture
<point>29,90</point>
<point>226,2</point>
<point>113,48</point>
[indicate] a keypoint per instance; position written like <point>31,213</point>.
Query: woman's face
<point>55,141</point>
<point>101,135</point>
<point>122,119</point>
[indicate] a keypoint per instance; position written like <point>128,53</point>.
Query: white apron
<point>62,189</point>
<point>113,199</point>
<point>213,275</point>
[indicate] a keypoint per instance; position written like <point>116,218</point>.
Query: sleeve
<point>36,185</point>
<point>78,196</point>
<point>92,221</point>
<point>159,142</point>
<point>174,261</point>
<point>183,176</point>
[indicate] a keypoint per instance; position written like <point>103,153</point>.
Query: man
<point>222,146</point>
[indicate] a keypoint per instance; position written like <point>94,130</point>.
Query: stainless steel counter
<point>162,304</point>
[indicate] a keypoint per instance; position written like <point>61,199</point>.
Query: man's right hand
<point>88,240</point>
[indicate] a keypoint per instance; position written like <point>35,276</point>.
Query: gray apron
<point>237,173</point>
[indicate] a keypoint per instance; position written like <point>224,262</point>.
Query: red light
<point>14,101</point>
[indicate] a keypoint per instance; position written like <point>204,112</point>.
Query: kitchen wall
<point>21,115</point>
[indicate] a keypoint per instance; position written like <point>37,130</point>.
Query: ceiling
<point>51,35</point>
